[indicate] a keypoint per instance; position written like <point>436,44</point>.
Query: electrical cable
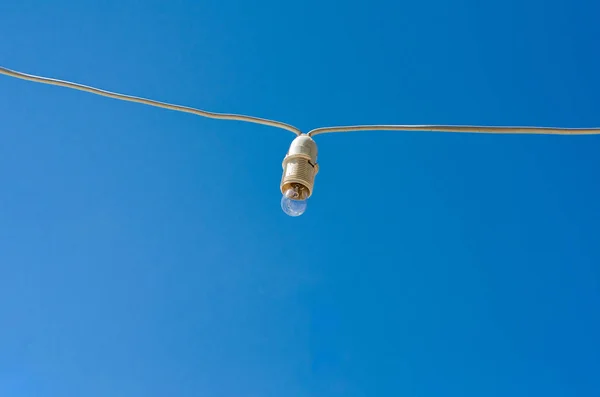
<point>314,132</point>
<point>460,128</point>
<point>129,98</point>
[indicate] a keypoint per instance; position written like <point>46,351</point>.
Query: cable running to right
<point>460,128</point>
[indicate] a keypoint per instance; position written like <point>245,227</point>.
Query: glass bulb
<point>293,201</point>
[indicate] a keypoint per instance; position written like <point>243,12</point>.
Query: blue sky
<point>143,252</point>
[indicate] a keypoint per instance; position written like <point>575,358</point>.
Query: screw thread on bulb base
<point>298,171</point>
<point>300,165</point>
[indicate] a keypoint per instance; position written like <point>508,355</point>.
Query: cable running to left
<point>150,102</point>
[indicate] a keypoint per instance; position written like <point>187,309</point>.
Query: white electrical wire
<point>317,131</point>
<point>460,128</point>
<point>97,91</point>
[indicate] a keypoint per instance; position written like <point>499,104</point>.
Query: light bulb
<point>293,201</point>
<point>298,179</point>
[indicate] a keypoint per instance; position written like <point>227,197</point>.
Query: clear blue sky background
<point>143,252</point>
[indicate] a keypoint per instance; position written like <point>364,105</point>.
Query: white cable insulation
<point>129,98</point>
<point>317,131</point>
<point>460,128</point>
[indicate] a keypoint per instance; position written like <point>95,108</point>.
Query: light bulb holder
<point>300,165</point>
